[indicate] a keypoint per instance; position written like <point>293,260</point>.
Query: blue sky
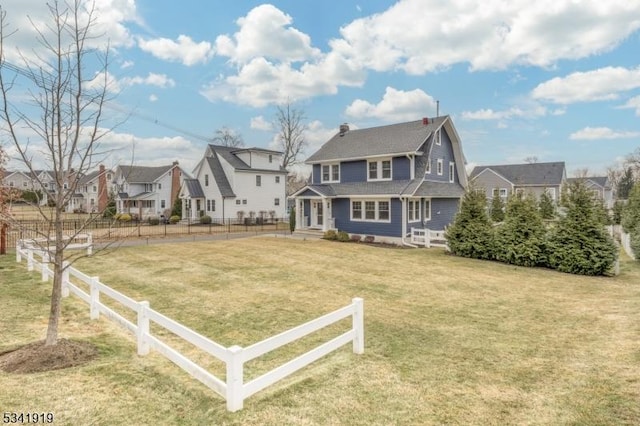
<point>559,80</point>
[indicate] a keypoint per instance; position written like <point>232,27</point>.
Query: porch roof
<point>439,190</point>
<point>194,188</point>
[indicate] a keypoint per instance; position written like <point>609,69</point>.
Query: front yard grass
<point>447,340</point>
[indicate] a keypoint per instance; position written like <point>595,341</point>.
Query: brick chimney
<point>175,183</point>
<point>103,191</point>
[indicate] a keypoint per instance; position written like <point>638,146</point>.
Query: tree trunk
<point>3,238</point>
<point>56,292</point>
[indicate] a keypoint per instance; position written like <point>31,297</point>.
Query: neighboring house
<point>601,188</point>
<point>147,191</point>
<point>38,180</point>
<point>383,181</point>
<point>236,183</point>
<point>92,192</point>
<point>531,178</point>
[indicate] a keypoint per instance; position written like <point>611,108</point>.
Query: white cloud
<point>266,32</point>
<point>259,123</point>
<point>598,133</point>
<point>597,85</point>
<point>111,18</point>
<point>633,103</point>
<point>396,105</point>
<point>184,50</point>
<point>126,64</point>
<point>159,80</point>
<point>153,98</point>
<point>277,63</point>
<point>487,35</point>
<point>490,114</point>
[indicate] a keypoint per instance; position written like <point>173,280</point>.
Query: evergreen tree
<point>625,184</point>
<point>618,207</point>
<point>497,208</point>
<point>546,206</point>
<point>580,244</point>
<point>471,233</point>
<point>177,207</point>
<point>520,240</point>
<point>631,211</point>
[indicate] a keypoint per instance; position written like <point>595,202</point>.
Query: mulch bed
<point>36,357</point>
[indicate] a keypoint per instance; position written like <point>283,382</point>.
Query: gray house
<point>601,188</point>
<point>384,181</point>
<point>530,178</point>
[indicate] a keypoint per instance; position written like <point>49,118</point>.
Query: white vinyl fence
<point>234,390</point>
<point>428,237</point>
<point>625,241</point>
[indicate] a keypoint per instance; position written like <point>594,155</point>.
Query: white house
<point>236,183</point>
<point>92,191</point>
<point>147,191</point>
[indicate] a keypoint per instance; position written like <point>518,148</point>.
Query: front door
<point>316,213</point>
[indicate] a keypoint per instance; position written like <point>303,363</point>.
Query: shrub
<point>618,207</point>
<point>579,244</point>
<point>330,235</point>
<point>154,221</point>
<point>205,220</point>
<point>471,234</point>
<point>356,238</point>
<point>631,211</point>
<point>520,240</point>
<point>497,208</point>
<point>174,219</point>
<point>124,217</point>
<point>176,209</point>
<point>343,236</point>
<point>546,206</point>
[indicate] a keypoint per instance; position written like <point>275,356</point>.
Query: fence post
<point>65,279</point>
<point>18,253</point>
<point>143,328</point>
<point>235,395</point>
<point>427,237</point>
<point>94,310</point>
<point>45,267</point>
<point>358,325</point>
<point>90,244</point>
<point>29,260</point>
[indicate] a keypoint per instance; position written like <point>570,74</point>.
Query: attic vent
<point>425,121</point>
<point>344,128</point>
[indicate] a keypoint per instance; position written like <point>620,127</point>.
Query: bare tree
<point>64,117</point>
<point>291,139</point>
<point>532,159</point>
<point>228,137</point>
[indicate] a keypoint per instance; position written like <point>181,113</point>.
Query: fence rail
<point>106,230</point>
<point>234,390</point>
<point>428,237</point>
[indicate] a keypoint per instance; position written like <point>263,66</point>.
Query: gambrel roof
<point>534,174</point>
<point>394,139</point>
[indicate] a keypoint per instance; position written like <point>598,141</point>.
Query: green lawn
<point>447,340</point>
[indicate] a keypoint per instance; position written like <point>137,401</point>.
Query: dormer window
<point>438,138</point>
<point>379,169</point>
<point>330,173</point>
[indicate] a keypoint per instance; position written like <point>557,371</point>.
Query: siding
<point>443,211</point>
<point>401,168</point>
<point>489,180</point>
<point>315,175</point>
<point>342,215</point>
<point>444,152</point>
<point>353,171</point>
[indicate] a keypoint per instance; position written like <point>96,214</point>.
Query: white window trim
<point>363,202</point>
<point>428,169</point>
<point>414,201</point>
<point>551,192</point>
<point>440,167</point>
<point>452,170</point>
<point>427,211</point>
<point>379,162</point>
<point>438,137</point>
<point>331,168</point>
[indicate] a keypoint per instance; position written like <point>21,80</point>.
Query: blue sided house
<point>384,181</point>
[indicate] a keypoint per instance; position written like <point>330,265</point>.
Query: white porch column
<point>300,213</point>
<point>325,214</point>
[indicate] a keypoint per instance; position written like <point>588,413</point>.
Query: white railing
<point>234,390</point>
<point>78,241</point>
<point>428,237</point>
<point>625,241</point>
